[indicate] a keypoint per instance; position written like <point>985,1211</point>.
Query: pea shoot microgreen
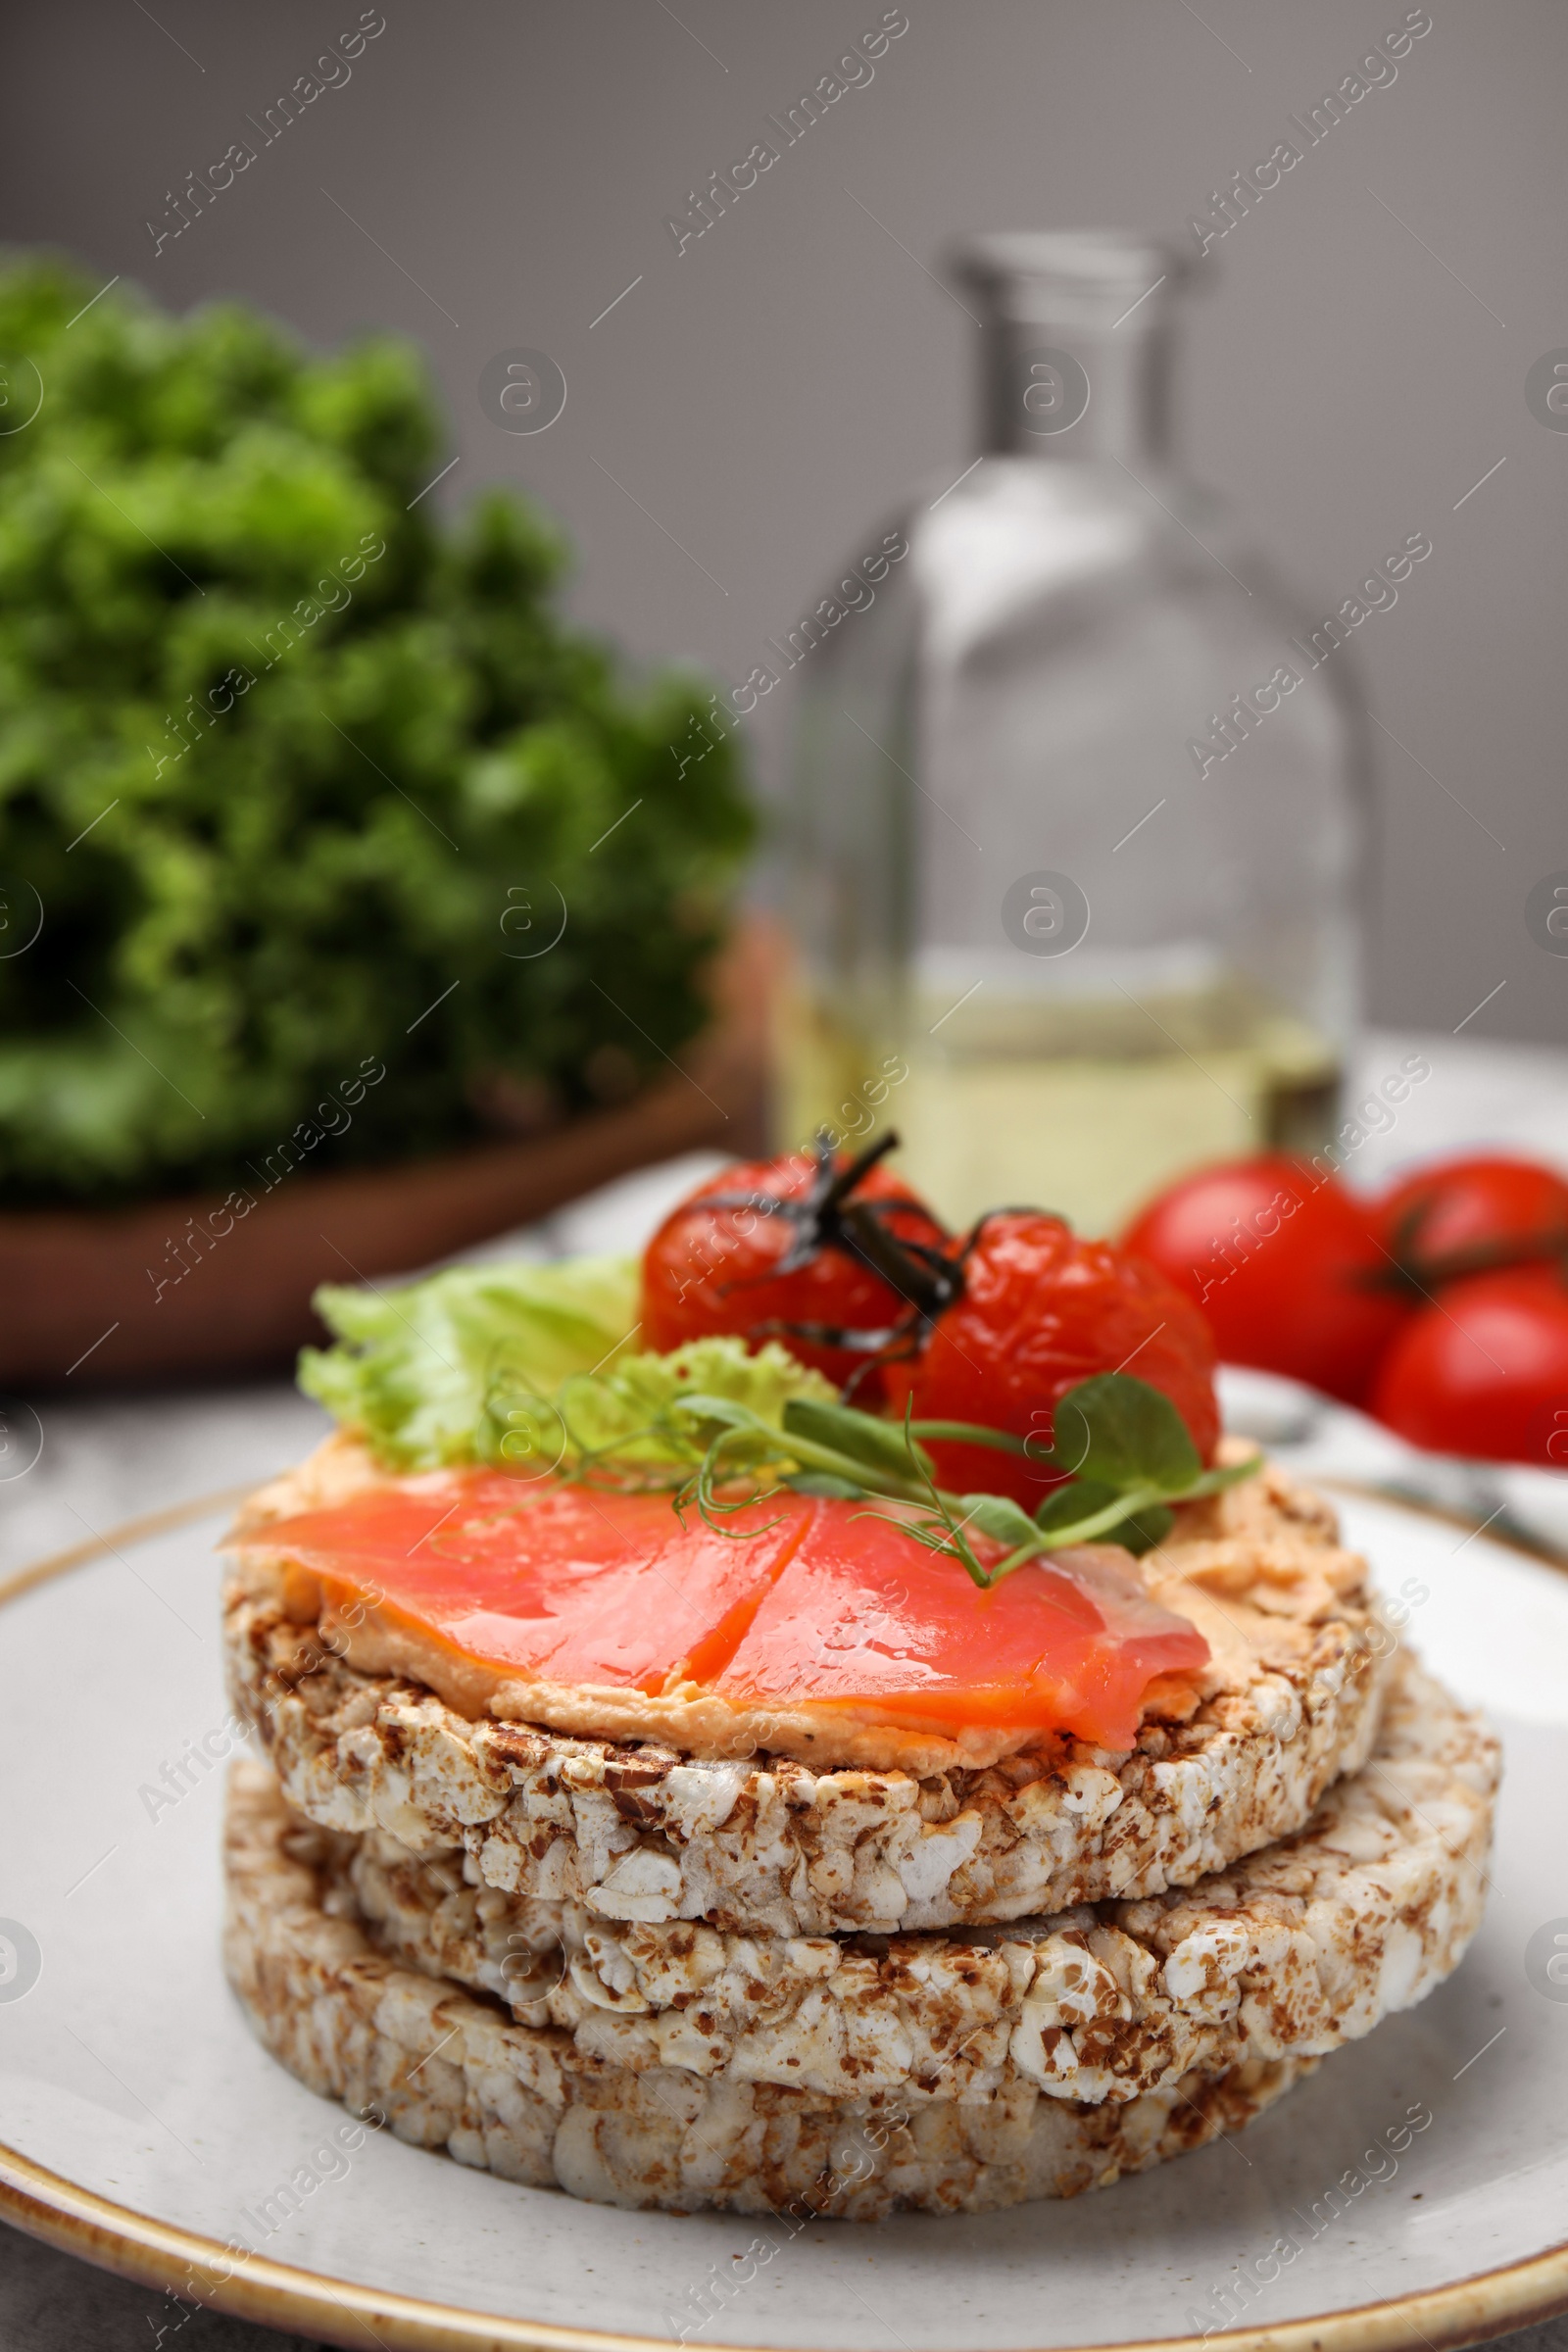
<point>1121,1457</point>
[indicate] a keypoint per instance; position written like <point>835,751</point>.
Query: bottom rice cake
<point>1288,1953</point>
<point>452,2069</point>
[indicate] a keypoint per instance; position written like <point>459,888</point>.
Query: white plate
<point>142,2126</point>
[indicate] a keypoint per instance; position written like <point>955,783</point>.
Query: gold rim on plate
<point>199,2269</point>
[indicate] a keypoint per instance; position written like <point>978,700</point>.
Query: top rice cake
<point>750,1838</point>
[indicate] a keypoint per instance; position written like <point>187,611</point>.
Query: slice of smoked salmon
<point>549,1580</point>
<point>824,1606</point>
<point>865,1617</point>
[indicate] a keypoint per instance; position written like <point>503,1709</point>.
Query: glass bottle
<point>1076,826</point>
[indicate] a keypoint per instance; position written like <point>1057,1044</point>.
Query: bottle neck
<point>1074,391</point>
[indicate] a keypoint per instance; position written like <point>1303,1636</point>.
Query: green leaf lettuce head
<point>304,777</point>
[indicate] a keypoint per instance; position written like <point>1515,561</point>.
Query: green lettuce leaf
<point>420,1370</point>
<point>646,1413</point>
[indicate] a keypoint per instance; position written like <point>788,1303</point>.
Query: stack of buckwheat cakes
<point>745,1981</point>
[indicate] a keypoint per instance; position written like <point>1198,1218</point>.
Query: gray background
<point>763,397</point>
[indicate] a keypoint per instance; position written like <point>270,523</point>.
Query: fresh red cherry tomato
<point>830,1257</point>
<point>1485,1372</point>
<point>1467,1216</point>
<point>1286,1264</point>
<point>1043,1308</point>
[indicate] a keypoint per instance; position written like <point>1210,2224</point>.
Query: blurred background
<point>724,380</point>
<point>754,404</point>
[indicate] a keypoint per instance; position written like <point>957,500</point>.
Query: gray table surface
<point>107,1459</point>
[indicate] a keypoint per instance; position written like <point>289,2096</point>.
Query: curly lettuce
<point>300,780</point>
<point>417,1370</point>
<point>535,1367</point>
<point>646,1421</point>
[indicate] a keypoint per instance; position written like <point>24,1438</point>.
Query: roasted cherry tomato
<point>1040,1311</point>
<point>1471,1216</point>
<point>1485,1373</point>
<point>1286,1264</point>
<point>834,1257</point>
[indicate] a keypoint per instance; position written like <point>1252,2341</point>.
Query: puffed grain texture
<point>1300,1947</point>
<point>449,2071</point>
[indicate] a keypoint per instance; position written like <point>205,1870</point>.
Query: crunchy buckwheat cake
<point>1229,1757</point>
<point>453,2070</point>
<point>1288,1953</point>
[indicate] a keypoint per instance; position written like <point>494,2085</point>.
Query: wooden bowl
<point>80,1288</point>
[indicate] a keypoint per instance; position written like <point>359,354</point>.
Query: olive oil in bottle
<point>1076,829</point>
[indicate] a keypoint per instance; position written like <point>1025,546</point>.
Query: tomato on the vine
<point>1287,1267</point>
<point>1485,1372</point>
<point>1043,1308</point>
<point>831,1257</point>
<point>1470,1216</point>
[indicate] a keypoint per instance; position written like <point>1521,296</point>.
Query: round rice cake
<point>1290,1952</point>
<point>449,2070</point>
<point>763,1843</point>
